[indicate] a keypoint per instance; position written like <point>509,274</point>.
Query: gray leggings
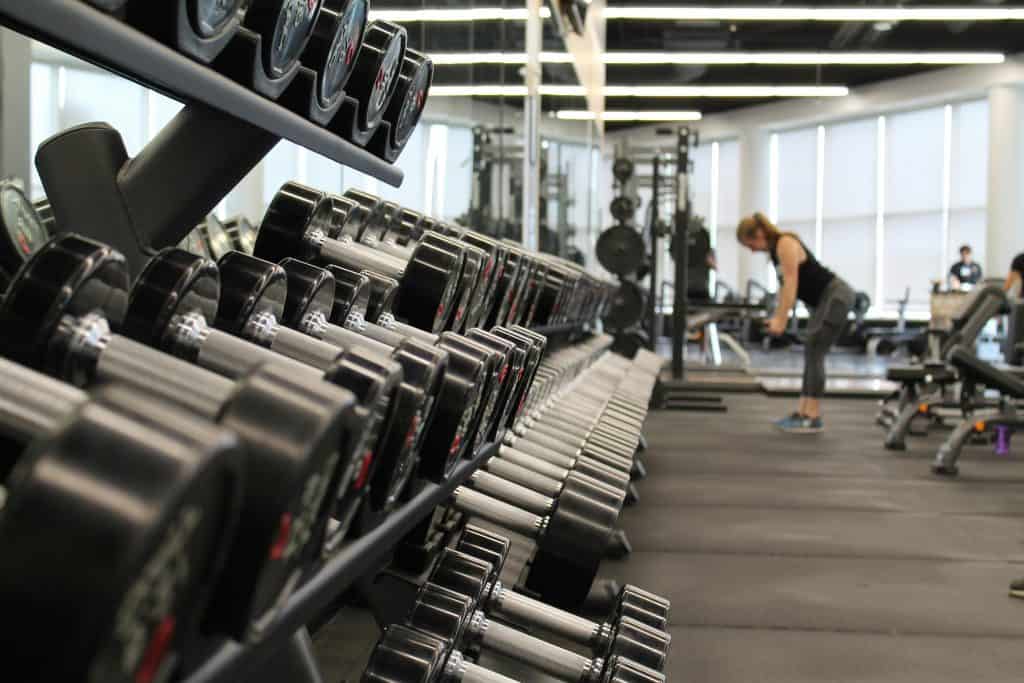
<point>827,323</point>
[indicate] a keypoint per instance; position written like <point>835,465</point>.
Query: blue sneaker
<point>800,424</point>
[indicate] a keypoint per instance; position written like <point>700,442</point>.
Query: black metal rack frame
<point>224,131</point>
<point>234,662</point>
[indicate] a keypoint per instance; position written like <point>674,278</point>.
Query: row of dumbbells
<point>463,610</point>
<point>297,455</point>
<point>322,59</point>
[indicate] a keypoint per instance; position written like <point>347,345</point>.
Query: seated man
<point>965,271</point>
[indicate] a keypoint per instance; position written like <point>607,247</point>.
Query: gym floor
<point>825,558</point>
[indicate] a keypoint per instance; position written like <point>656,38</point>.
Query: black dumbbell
<point>507,288</point>
<point>406,106</point>
<point>374,80</point>
<point>459,396</point>
<point>136,499</point>
<point>59,311</point>
<point>370,223</point>
<point>306,224</point>
<point>286,27</point>
<point>334,46</point>
<point>172,307</point>
<point>408,654</point>
<point>311,296</point>
<point>198,28</point>
<point>252,302</point>
<point>454,617</point>
<point>635,626</point>
<point>571,538</point>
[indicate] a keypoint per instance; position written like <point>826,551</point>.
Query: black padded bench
<point>973,368</point>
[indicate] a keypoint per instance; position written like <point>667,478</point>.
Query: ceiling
<point>677,36</point>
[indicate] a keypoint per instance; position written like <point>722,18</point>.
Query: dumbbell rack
<point>224,131</point>
<point>234,662</point>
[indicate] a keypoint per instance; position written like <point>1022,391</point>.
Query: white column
<point>16,157</point>
<point>754,179</point>
<point>531,127</point>
<point>1005,208</point>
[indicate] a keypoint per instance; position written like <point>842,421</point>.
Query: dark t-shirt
<point>966,273</point>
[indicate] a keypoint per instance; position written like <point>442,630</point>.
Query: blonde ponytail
<point>749,227</point>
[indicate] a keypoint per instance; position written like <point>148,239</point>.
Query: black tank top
<point>813,277</point>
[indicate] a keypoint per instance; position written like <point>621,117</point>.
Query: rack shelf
<point>234,662</point>
<point>88,33</point>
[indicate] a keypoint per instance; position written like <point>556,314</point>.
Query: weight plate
<point>335,44</point>
<point>351,295</point>
<point>285,26</point>
<point>406,654</point>
<point>249,286</point>
<point>441,612</point>
<point>82,490</point>
<point>623,208</point>
<point>621,250</point>
<point>626,307</point>
<point>295,213</point>
<point>496,375</point>
<point>173,283</point>
<point>24,231</point>
<point>428,287</point>
<point>375,73</point>
<point>68,276</point>
<point>622,169</point>
<point>410,96</point>
<point>210,17</point>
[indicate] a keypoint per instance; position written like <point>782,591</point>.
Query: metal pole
<point>682,254</point>
<point>652,304</point>
<point>531,126</point>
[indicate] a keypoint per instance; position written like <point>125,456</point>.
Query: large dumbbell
<point>199,28</point>
<point>254,294</point>
<point>635,628</point>
<point>142,510</point>
<point>459,396</point>
<point>59,311</point>
<point>334,46</point>
<point>311,296</point>
<point>306,224</point>
<point>409,654</point>
<point>369,221</point>
<point>571,536</point>
<point>173,306</point>
<point>453,617</point>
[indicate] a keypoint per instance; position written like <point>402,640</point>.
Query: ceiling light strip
<point>725,58</point>
<point>583,115</point>
<point>826,14</point>
<point>723,91</point>
<point>838,14</point>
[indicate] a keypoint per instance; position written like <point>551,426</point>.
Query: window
<point>969,179</point>
<point>796,183</point>
<point>849,202</point>
<point>728,184</point>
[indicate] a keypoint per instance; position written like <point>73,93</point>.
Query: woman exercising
<point>828,296</point>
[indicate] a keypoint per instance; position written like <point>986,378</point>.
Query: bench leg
<point>949,451</point>
<point>896,437</point>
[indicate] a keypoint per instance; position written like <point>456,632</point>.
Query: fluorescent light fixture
<point>705,58</point>
<point>450,15</point>
<point>581,115</point>
<point>808,58</point>
<point>725,13</point>
<point>859,14</point>
<point>725,91</point>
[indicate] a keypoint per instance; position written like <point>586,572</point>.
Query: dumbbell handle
<point>462,671</point>
<point>31,403</point>
<point>348,253</point>
<point>505,488</point>
<point>551,659</point>
<point>525,610</point>
<point>503,514</point>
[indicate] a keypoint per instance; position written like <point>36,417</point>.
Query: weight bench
<point>912,379</point>
<point>974,374</point>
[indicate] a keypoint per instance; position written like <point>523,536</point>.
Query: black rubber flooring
<point>826,558</point>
